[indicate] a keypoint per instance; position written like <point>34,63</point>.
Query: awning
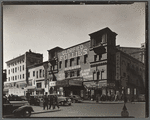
<point>30,87</point>
<point>68,82</point>
<point>22,85</point>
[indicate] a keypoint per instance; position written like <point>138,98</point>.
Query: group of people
<point>50,101</point>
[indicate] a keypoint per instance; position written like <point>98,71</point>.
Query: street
<point>92,109</point>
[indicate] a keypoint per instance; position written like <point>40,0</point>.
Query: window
<point>40,73</point>
<point>85,58</point>
<point>66,74</point>
<point>94,75</point>
<point>66,62</point>
<point>20,76</point>
<point>20,68</point>
<point>23,67</point>
<point>33,73</point>
<point>23,75</point>
<point>128,91</point>
<point>71,73</point>
<point>15,69</point>
<point>78,72</point>
<point>36,74</point>
<point>95,58</point>
<point>71,61</point>
<point>98,75</point>
<point>60,64</point>
<point>15,77</point>
<point>38,85</point>
<point>78,60</point>
<point>9,79</point>
<point>28,74</point>
<point>8,71</point>
<point>43,73</point>
<point>104,38</point>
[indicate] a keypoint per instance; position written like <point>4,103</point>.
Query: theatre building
<point>17,72</point>
<point>89,68</point>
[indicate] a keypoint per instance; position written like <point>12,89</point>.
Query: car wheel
<point>27,113</point>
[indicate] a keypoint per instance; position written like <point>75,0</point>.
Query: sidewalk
<point>102,102</point>
<point>39,109</point>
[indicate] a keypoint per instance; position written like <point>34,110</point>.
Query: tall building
<point>17,76</point>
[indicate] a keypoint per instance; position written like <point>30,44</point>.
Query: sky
<point>43,27</point>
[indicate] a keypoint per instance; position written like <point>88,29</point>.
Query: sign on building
<point>118,66</point>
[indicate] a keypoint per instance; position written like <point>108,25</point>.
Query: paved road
<point>136,110</point>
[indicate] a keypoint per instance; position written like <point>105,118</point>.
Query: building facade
<point>89,69</point>
<point>17,72</point>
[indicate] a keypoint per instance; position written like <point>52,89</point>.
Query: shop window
<point>66,62</point>
<point>78,60</point>
<point>85,58</point>
<point>33,73</point>
<point>78,72</point>
<point>71,61</point>
<point>60,64</point>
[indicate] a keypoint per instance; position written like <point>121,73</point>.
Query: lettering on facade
<point>118,66</point>
<point>52,83</point>
<point>73,67</point>
<point>73,52</point>
<point>86,73</point>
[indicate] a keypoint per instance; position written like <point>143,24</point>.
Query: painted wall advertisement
<point>118,66</point>
<point>73,52</point>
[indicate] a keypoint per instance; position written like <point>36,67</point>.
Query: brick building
<point>17,72</point>
<point>89,68</point>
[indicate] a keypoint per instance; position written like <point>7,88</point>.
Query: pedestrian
<point>45,101</point>
<point>56,101</point>
<point>51,102</point>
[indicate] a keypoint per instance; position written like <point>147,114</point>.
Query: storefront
<point>70,86</point>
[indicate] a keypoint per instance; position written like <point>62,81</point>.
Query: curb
<point>45,111</point>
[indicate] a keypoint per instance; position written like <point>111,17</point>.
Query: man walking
<point>45,101</point>
<point>56,101</point>
<point>51,102</point>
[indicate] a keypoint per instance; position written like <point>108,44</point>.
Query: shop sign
<point>86,73</point>
<point>52,83</point>
<point>75,82</point>
<point>73,67</point>
<point>118,66</point>
<point>62,83</point>
<point>73,52</point>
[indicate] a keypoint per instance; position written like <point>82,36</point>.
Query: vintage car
<point>75,98</point>
<point>62,100</point>
<point>16,108</point>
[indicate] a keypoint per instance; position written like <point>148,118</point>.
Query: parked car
<point>16,108</point>
<point>62,100</point>
<point>75,98</point>
<point>34,100</point>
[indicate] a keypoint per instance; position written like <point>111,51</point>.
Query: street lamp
<point>124,112</point>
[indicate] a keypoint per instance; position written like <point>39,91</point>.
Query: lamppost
<point>124,112</point>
